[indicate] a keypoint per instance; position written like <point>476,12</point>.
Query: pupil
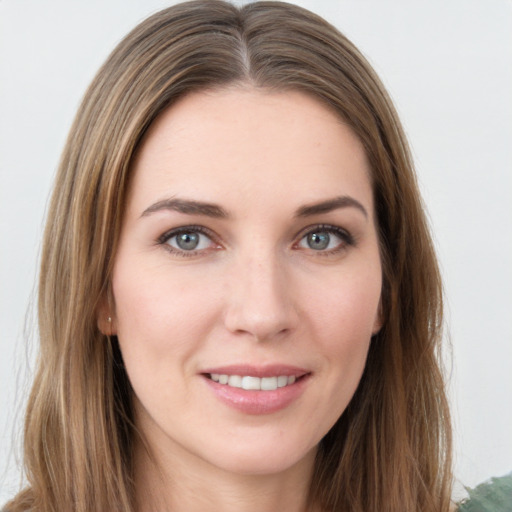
<point>318,241</point>
<point>187,241</point>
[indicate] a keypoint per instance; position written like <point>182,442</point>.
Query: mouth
<point>252,383</point>
<point>257,390</point>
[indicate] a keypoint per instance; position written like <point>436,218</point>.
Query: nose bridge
<point>260,303</point>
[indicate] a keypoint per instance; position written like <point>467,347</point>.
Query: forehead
<point>244,143</point>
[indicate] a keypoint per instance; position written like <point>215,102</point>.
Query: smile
<point>255,390</point>
<point>248,382</point>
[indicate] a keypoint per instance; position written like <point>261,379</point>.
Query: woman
<point>239,302</point>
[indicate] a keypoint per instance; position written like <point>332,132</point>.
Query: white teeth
<point>251,383</point>
<point>254,383</point>
<point>235,381</point>
<point>268,383</point>
<point>282,381</point>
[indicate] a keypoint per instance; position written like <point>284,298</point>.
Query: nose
<point>260,303</point>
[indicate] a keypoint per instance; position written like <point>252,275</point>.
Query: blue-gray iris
<point>318,241</point>
<point>187,241</point>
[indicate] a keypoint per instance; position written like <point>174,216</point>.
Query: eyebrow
<point>192,207</point>
<point>329,205</point>
<point>188,207</point>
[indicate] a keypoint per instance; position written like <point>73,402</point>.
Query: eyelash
<point>164,239</point>
<point>346,238</point>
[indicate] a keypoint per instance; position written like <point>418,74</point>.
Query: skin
<point>254,292</point>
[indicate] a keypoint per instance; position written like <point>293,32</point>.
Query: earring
<point>109,319</point>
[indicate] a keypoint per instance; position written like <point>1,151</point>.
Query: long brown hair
<point>390,450</point>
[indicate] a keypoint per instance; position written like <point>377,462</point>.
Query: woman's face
<point>248,254</point>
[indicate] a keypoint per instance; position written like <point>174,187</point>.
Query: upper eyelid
<point>322,227</point>
<point>164,237</point>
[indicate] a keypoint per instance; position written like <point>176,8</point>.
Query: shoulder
<point>495,495</point>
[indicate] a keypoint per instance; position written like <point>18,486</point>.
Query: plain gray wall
<point>448,66</point>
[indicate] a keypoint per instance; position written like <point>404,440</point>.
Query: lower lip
<point>258,402</point>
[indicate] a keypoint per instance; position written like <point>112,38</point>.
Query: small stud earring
<point>109,319</point>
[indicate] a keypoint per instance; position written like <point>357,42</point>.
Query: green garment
<point>492,496</point>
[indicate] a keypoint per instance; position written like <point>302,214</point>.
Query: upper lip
<point>271,370</point>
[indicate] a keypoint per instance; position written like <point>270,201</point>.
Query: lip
<point>258,402</point>
<point>270,370</point>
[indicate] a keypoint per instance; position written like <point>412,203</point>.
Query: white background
<point>448,66</point>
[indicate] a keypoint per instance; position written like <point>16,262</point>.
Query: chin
<point>257,460</point>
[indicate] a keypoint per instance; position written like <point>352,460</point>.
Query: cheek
<point>161,316</point>
<point>349,305</point>
<point>344,320</point>
<point>163,319</point>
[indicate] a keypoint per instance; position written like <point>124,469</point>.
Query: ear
<point>379,320</point>
<point>105,317</point>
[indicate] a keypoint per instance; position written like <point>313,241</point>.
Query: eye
<point>328,239</point>
<point>188,239</point>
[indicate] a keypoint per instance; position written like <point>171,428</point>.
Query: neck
<point>185,483</point>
